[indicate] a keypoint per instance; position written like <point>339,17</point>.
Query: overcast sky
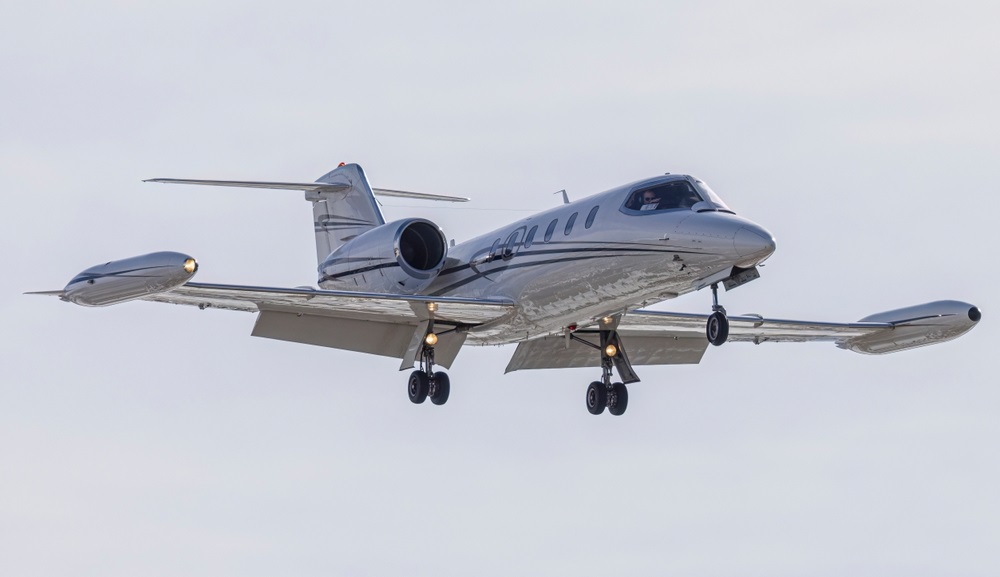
<point>147,439</point>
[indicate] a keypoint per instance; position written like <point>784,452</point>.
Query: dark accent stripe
<point>94,276</point>
<point>337,227</point>
<point>344,219</point>
<point>498,269</point>
<point>327,277</point>
<point>923,318</point>
<point>616,250</point>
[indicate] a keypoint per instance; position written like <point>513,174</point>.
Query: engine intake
<point>401,257</point>
<point>422,246</point>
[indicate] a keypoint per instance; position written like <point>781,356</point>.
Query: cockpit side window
<point>667,196</point>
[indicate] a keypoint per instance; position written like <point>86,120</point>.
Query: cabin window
<point>495,250</point>
<point>511,246</point>
<point>667,196</point>
<point>531,236</point>
<point>591,216</point>
<point>550,230</point>
<point>570,222</point>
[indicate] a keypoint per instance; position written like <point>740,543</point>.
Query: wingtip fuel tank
<point>119,281</point>
<point>916,326</point>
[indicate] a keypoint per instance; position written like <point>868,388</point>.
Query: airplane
<point>567,286</point>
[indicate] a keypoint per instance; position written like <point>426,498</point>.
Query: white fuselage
<point>608,262</point>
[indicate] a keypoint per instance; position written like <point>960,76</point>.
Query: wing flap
<point>643,349</point>
<point>379,338</point>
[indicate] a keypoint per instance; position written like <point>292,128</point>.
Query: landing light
<point>190,265</point>
<point>431,339</point>
<point>432,307</point>
<point>610,350</point>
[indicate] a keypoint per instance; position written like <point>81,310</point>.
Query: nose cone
<point>754,244</point>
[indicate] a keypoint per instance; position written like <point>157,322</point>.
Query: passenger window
<point>511,246</point>
<point>570,222</point>
<point>495,250</point>
<point>550,230</point>
<point>590,217</point>
<point>531,236</point>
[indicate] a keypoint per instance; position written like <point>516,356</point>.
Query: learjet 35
<point>568,286</point>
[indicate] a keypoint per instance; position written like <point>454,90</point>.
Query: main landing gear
<point>717,328</point>
<point>604,394</point>
<point>425,383</point>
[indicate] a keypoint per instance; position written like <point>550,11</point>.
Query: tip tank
<point>119,281</point>
<point>916,326</point>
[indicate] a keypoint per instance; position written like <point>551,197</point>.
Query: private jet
<point>567,286</point>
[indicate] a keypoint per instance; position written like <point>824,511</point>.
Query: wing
<point>660,338</point>
<point>387,325</point>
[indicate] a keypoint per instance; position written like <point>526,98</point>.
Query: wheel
<point>442,388</point>
<point>717,329</point>
<point>597,398</point>
<point>619,396</point>
<point>418,386</point>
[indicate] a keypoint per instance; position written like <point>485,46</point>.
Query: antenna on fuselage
<point>565,196</point>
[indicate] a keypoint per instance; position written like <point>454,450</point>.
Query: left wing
<point>381,324</point>
<point>377,307</point>
<point>661,338</point>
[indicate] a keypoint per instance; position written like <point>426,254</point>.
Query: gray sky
<point>156,440</point>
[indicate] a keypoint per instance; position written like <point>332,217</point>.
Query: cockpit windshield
<point>680,193</point>
<point>665,196</point>
<point>710,195</point>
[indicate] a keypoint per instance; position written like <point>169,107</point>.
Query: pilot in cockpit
<point>650,200</point>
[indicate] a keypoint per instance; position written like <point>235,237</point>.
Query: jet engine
<point>401,257</point>
<point>128,279</point>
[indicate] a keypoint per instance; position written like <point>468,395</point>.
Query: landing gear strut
<point>425,383</point>
<point>717,328</point>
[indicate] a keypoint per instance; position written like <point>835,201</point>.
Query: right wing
<point>668,338</point>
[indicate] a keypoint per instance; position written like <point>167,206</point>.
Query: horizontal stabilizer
<point>308,187</point>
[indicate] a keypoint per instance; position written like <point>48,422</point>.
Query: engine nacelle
<point>916,326</point>
<point>124,280</point>
<point>401,257</point>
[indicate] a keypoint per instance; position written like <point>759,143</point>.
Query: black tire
<point>717,328</point>
<point>597,398</point>
<point>442,388</point>
<point>619,394</point>
<point>418,386</point>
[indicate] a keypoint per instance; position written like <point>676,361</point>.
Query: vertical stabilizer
<point>342,215</point>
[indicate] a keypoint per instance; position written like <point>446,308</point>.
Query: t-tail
<point>344,205</point>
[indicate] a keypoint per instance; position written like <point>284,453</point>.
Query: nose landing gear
<point>717,328</point>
